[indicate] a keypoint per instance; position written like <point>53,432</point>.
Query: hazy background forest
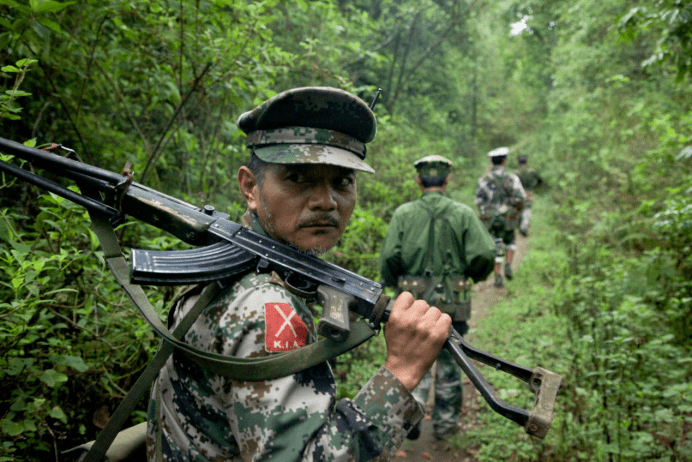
<point>595,92</point>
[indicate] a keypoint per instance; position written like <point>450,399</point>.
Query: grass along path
<point>426,447</point>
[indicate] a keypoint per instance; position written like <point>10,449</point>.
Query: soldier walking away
<point>306,145</point>
<point>530,180</point>
<point>500,197</point>
<point>434,247</point>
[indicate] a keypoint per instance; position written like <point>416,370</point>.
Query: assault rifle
<point>224,249</point>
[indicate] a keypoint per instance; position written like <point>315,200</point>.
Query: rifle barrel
<point>46,159</point>
<point>47,185</point>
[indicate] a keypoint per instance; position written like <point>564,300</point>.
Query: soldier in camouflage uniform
<point>500,198</point>
<point>530,180</point>
<point>432,248</point>
<point>306,145</point>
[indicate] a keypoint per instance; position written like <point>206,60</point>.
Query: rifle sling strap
<point>251,369</point>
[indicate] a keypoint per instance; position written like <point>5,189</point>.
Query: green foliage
<point>671,21</point>
<point>623,343</point>
<point>675,226</point>
<point>354,368</point>
<point>674,223</point>
<point>149,82</point>
<point>602,321</point>
<point>70,341</point>
<point>359,248</point>
<point>614,143</point>
<point>8,109</point>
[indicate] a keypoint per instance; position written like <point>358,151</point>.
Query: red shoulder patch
<point>285,330</point>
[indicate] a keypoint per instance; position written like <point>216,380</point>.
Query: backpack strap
<point>431,234</point>
<point>431,248</point>
<point>504,182</point>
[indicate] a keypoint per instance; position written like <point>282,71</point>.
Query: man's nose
<point>323,197</point>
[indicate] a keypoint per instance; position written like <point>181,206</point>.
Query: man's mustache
<point>319,220</point>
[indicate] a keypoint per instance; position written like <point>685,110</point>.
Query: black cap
<point>311,125</point>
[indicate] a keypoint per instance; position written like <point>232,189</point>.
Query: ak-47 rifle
<point>225,249</point>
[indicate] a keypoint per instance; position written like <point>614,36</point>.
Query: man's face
<point>306,205</point>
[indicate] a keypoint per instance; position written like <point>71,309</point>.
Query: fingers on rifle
<point>405,299</point>
<point>437,323</point>
<point>417,313</point>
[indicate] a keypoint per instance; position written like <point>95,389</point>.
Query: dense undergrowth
<point>72,343</point>
<point>603,321</point>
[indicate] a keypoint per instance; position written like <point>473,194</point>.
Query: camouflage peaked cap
<point>311,125</point>
<point>433,166</point>
<point>503,151</point>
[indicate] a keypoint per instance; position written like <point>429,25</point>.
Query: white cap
<point>503,151</point>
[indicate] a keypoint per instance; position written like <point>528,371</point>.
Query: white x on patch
<point>287,321</point>
<point>285,329</point>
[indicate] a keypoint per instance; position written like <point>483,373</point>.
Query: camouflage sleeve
<point>518,189</point>
<point>479,246</point>
<point>483,194</point>
<point>295,418</point>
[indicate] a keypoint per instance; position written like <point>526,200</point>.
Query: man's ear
<point>420,183</point>
<point>249,187</point>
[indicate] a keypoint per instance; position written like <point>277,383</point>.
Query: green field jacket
<point>463,243</point>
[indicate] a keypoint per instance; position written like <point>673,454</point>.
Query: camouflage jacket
<point>463,247</point>
<point>206,417</point>
<point>530,179</point>
<point>500,195</point>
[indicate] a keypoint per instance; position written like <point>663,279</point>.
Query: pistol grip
<point>334,323</point>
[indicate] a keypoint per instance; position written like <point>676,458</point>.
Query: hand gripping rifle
<point>225,249</point>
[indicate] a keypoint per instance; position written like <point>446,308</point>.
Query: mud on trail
<point>427,447</point>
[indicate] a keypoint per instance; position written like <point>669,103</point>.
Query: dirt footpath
<point>426,447</point>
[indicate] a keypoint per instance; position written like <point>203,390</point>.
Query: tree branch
<point>157,150</point>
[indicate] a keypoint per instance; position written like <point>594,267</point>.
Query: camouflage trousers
<point>448,395</point>
<point>525,218</point>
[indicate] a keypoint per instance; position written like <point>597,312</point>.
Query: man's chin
<point>314,250</point>
<point>315,247</point>
<point>317,251</point>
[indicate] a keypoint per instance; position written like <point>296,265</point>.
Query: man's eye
<point>296,178</point>
<point>344,181</point>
